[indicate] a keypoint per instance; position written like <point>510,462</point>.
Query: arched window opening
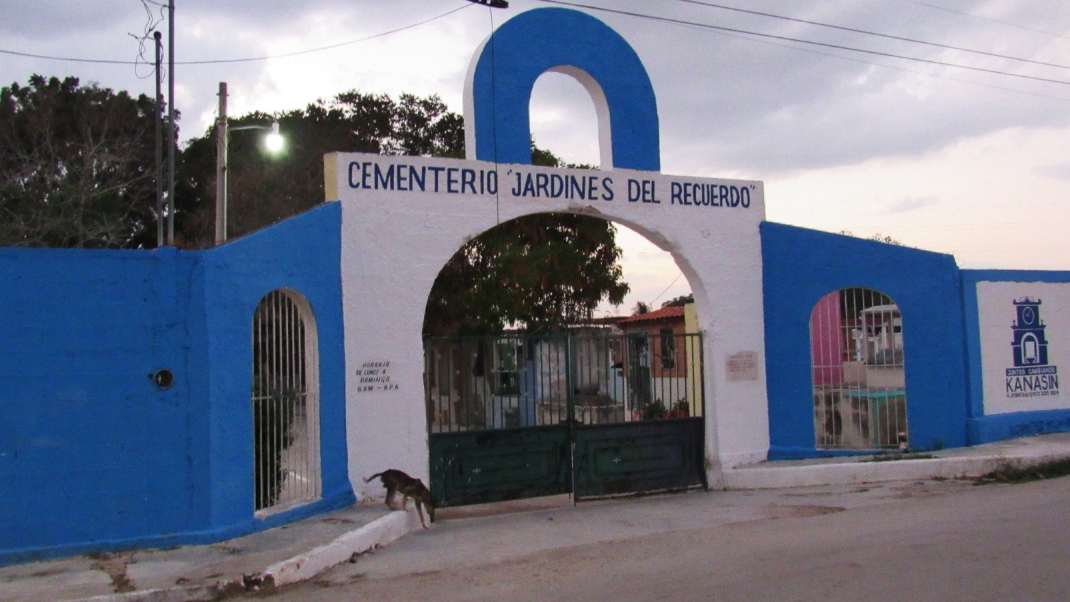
<point>565,119</point>
<point>859,384</point>
<point>285,403</point>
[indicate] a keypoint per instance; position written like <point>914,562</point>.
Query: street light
<point>274,142</point>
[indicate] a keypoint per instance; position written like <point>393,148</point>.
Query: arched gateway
<point>404,217</point>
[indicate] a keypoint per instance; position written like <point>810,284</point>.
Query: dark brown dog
<point>397,482</point>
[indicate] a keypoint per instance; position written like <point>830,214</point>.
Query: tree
<point>540,272</point>
<point>77,166</point>
<point>878,237</point>
<point>263,189</point>
<point>680,301</point>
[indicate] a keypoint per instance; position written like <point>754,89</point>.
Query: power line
<point>873,33</point>
<point>678,276</point>
<point>65,58</point>
<point>332,46</point>
<point>242,60</point>
<point>989,19</point>
<point>801,41</point>
<point>893,67</point>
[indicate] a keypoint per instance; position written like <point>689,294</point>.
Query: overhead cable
<point>802,41</point>
<point>873,33</point>
<point>241,60</point>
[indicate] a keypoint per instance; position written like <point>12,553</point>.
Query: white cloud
<point>906,204</point>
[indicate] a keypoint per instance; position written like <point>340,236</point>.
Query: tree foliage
<point>680,301</point>
<point>77,166</point>
<point>540,272</point>
<point>878,237</point>
<point>263,189</point>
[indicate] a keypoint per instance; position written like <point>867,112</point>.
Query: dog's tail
<point>376,475</point>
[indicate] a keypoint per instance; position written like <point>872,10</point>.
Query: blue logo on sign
<point>1030,347</point>
<point>1031,375</point>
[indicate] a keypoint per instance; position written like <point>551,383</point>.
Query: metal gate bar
<point>494,401</point>
<point>285,404</point>
<point>856,340</point>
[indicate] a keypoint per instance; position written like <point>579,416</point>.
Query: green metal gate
<point>514,416</point>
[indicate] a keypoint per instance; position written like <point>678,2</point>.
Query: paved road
<point>922,541</point>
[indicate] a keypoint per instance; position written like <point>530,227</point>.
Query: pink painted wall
<point>826,344</point>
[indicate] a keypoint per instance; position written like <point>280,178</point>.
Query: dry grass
<point>1015,473</point>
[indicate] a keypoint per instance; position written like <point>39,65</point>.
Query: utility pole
<point>221,168</point>
<point>159,140</point>
<point>172,137</point>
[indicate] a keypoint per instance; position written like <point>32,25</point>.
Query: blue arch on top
<point>536,41</point>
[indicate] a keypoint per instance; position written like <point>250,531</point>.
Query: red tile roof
<point>665,313</point>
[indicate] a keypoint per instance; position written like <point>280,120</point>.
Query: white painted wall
<point>394,243</point>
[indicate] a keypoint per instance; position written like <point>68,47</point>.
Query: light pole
<point>274,142</point>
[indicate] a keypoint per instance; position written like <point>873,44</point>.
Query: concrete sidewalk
<point>261,560</point>
<point>947,464</point>
<point>306,549</point>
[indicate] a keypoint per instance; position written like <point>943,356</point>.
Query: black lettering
<point>417,181</point>
<point>591,188</point>
<point>542,182</point>
<point>353,183</point>
<point>468,180</point>
<point>575,187</point>
<point>437,171</point>
<point>366,175</point>
<point>384,181</point>
<point>451,180</point>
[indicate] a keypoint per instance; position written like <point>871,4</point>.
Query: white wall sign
<point>742,366</point>
<point>1025,340</point>
<point>375,376</point>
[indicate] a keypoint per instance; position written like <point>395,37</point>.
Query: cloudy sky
<point>960,145</point>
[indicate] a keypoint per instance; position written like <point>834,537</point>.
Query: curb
<point>375,534</point>
<point>302,567</point>
<point>774,477</point>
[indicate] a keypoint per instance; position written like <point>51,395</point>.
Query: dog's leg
<point>420,511</point>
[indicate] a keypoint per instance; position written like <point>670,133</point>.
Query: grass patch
<point>1014,473</point>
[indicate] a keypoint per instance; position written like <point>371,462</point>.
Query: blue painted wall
<point>529,45</point>
<point>985,429</point>
<point>95,457</point>
<point>799,267</point>
<point>90,449</point>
